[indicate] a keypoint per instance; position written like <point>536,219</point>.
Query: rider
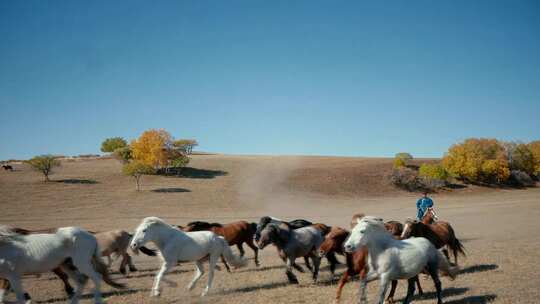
<point>422,205</point>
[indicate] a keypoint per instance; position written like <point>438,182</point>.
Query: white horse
<point>391,259</point>
<point>38,253</point>
<point>178,246</point>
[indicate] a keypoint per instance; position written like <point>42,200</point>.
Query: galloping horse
<point>292,244</point>
<point>236,233</point>
<point>391,259</point>
<point>439,233</point>
<point>36,253</point>
<point>178,246</point>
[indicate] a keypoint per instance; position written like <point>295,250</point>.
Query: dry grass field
<point>499,227</point>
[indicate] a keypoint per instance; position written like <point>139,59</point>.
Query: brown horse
<point>331,256</point>
<point>394,227</point>
<point>439,233</point>
<point>356,261</point>
<point>236,233</point>
<point>355,218</point>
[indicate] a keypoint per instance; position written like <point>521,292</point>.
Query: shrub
<point>406,178</point>
<point>44,164</point>
<point>521,158</point>
<point>137,169</point>
<point>112,144</point>
<point>152,147</point>
<point>520,179</point>
<point>399,162</point>
<point>433,171</point>
<point>404,155</point>
<point>125,155</point>
<point>478,160</point>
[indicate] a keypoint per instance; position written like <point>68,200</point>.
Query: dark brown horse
<point>356,261</point>
<point>236,233</point>
<point>331,256</point>
<point>439,233</point>
<point>7,167</point>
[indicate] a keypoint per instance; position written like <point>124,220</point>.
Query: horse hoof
<point>155,293</point>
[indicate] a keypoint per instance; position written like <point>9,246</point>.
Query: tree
<point>125,155</point>
<point>522,159</point>
<point>185,145</point>
<point>152,147</point>
<point>534,147</point>
<point>137,169</point>
<point>113,143</point>
<point>433,171</point>
<point>478,160</point>
<point>44,164</point>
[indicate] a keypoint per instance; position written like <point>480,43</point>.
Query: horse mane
<point>156,220</point>
<point>201,224</point>
<point>8,235</point>
<point>373,221</point>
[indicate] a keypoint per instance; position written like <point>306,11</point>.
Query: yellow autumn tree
<point>534,147</point>
<point>478,160</point>
<point>152,147</point>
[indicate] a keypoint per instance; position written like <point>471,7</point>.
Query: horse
<point>355,218</point>
<point>356,261</point>
<point>7,168</point>
<point>36,253</point>
<point>292,244</point>
<point>265,220</point>
<point>236,233</point>
<point>440,234</point>
<point>117,242</point>
<point>179,246</point>
<point>394,227</point>
<point>391,259</point>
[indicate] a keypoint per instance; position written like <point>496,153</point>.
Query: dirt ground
<point>499,228</point>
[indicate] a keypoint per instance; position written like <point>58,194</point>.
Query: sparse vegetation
<point>137,169</point>
<point>112,144</point>
<point>401,159</point>
<point>185,145</point>
<point>44,164</point>
<point>399,163</point>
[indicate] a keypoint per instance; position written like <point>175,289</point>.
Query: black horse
<point>7,167</point>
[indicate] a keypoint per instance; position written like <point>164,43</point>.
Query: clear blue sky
<point>268,77</point>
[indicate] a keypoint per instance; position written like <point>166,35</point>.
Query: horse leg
<point>433,270</point>
<point>199,271</point>
<point>290,275</point>
<point>226,264</point>
<point>65,279</point>
<point>131,267</point>
<point>316,264</point>
<point>333,261</point>
<point>342,282</point>
<point>164,268</point>
<point>123,264</point>
<point>364,279</point>
<point>4,287</point>
<point>410,290</point>
<point>420,291</point>
<point>383,287</point>
<point>249,242</point>
<point>87,268</point>
<point>241,249</point>
<point>308,264</point>
<point>211,269</point>
<point>390,298</point>
<point>80,281</point>
<point>16,286</point>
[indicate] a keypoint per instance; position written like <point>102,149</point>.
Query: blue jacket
<point>422,205</point>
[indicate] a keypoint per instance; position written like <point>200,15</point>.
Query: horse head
<point>362,232</point>
<point>275,234</point>
<point>333,242</point>
<point>147,230</point>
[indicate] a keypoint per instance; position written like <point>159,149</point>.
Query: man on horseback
<point>422,205</point>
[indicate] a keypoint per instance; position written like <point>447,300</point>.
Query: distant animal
<point>439,234</point>
<point>292,244</point>
<point>236,233</point>
<point>356,261</point>
<point>7,167</point>
<point>391,259</point>
<point>116,242</point>
<point>179,246</point>
<point>355,218</point>
<point>37,253</point>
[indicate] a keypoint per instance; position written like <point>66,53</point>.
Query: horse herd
<point>373,249</point>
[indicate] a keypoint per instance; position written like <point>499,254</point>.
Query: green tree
<point>522,159</point>
<point>113,143</point>
<point>125,155</point>
<point>185,145</point>
<point>44,164</point>
<point>137,169</point>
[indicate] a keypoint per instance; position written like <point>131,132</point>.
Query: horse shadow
<point>478,268</point>
<point>77,181</point>
<point>148,273</point>
<point>255,287</point>
<point>170,190</point>
<point>189,172</point>
<point>263,268</point>
<point>91,296</point>
<point>483,299</point>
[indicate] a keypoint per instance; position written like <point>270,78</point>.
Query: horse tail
<point>102,269</point>
<point>445,267</point>
<point>235,260</point>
